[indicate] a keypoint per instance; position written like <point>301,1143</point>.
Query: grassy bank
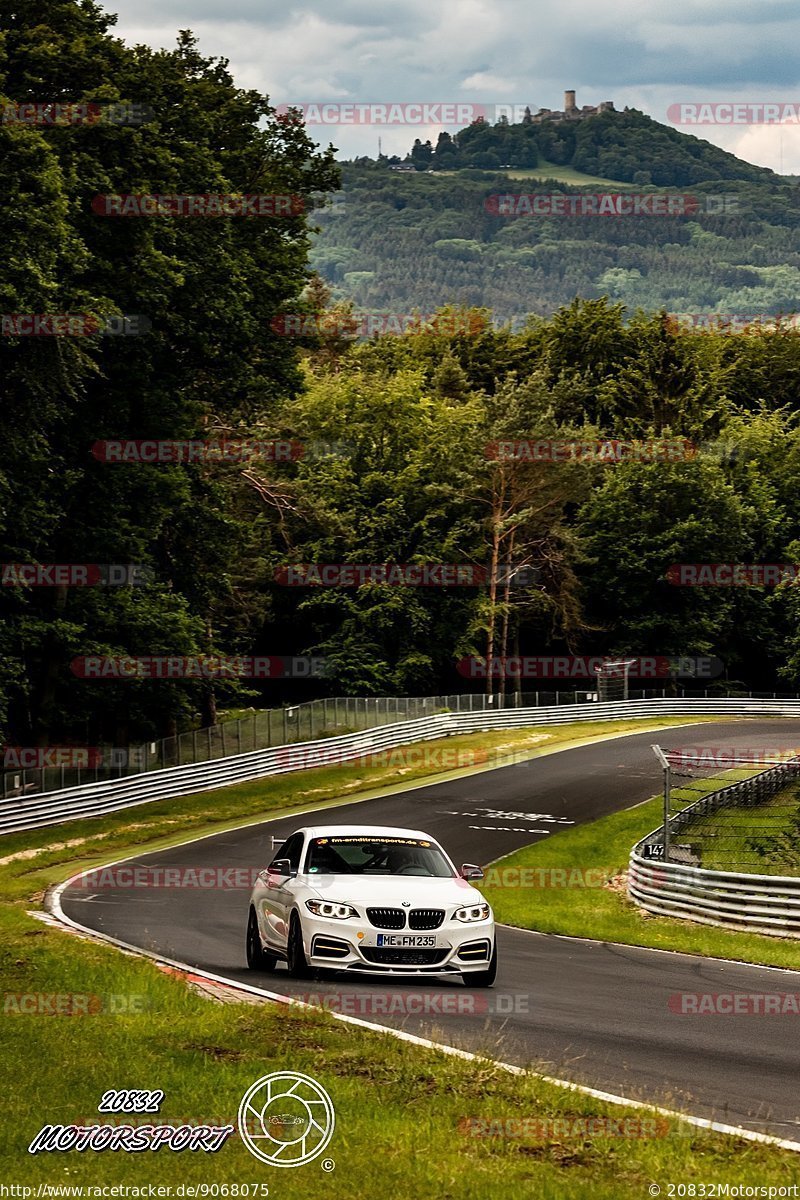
<point>760,839</point>
<point>565,174</point>
<point>574,885</point>
<point>401,1110</point>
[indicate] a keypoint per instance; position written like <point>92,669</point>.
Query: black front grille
<point>387,918</point>
<point>425,918</point>
<point>403,958</point>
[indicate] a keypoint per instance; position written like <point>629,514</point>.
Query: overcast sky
<point>643,53</point>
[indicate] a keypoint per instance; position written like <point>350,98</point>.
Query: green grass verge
<point>563,174</point>
<point>574,885</point>
<point>726,838</point>
<point>399,1107</point>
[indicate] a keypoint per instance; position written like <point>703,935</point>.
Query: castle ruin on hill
<point>571,112</point>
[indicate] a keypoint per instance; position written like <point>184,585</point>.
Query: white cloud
<point>482,81</point>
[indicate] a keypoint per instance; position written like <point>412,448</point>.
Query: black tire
<point>257,957</point>
<point>295,954</point>
<point>482,979</point>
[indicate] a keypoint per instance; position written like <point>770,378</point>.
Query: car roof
<point>376,831</point>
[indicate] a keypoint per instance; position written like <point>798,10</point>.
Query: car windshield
<point>365,855</point>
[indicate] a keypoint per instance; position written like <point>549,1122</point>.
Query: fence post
<point>662,758</point>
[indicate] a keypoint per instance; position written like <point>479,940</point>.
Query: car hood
<point>393,890</point>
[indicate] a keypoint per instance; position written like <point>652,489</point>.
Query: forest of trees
<point>399,241</point>
<point>624,146</point>
<point>395,427</point>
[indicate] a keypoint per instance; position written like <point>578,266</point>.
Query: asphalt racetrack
<point>587,1011</point>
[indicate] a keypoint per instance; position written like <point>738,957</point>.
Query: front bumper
<point>455,948</point>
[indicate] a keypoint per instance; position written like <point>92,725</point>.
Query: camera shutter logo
<point>286,1119</point>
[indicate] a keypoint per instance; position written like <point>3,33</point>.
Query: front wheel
<point>482,979</point>
<point>296,959</point>
<point>257,957</point>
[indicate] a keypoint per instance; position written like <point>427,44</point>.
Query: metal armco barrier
<point>94,799</point>
<point>734,899</point>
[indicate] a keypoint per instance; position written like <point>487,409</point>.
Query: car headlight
<point>328,908</point>
<point>475,912</point>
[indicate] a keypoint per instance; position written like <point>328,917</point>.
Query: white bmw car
<point>370,898</point>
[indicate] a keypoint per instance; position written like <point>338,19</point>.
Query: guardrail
<point>258,730</point>
<point>34,769</point>
<point>734,899</point>
<point>94,799</point>
<point>28,770</point>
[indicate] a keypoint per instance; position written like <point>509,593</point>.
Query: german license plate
<point>406,940</point>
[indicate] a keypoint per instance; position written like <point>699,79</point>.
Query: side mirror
<point>282,867</point>
<point>470,871</point>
